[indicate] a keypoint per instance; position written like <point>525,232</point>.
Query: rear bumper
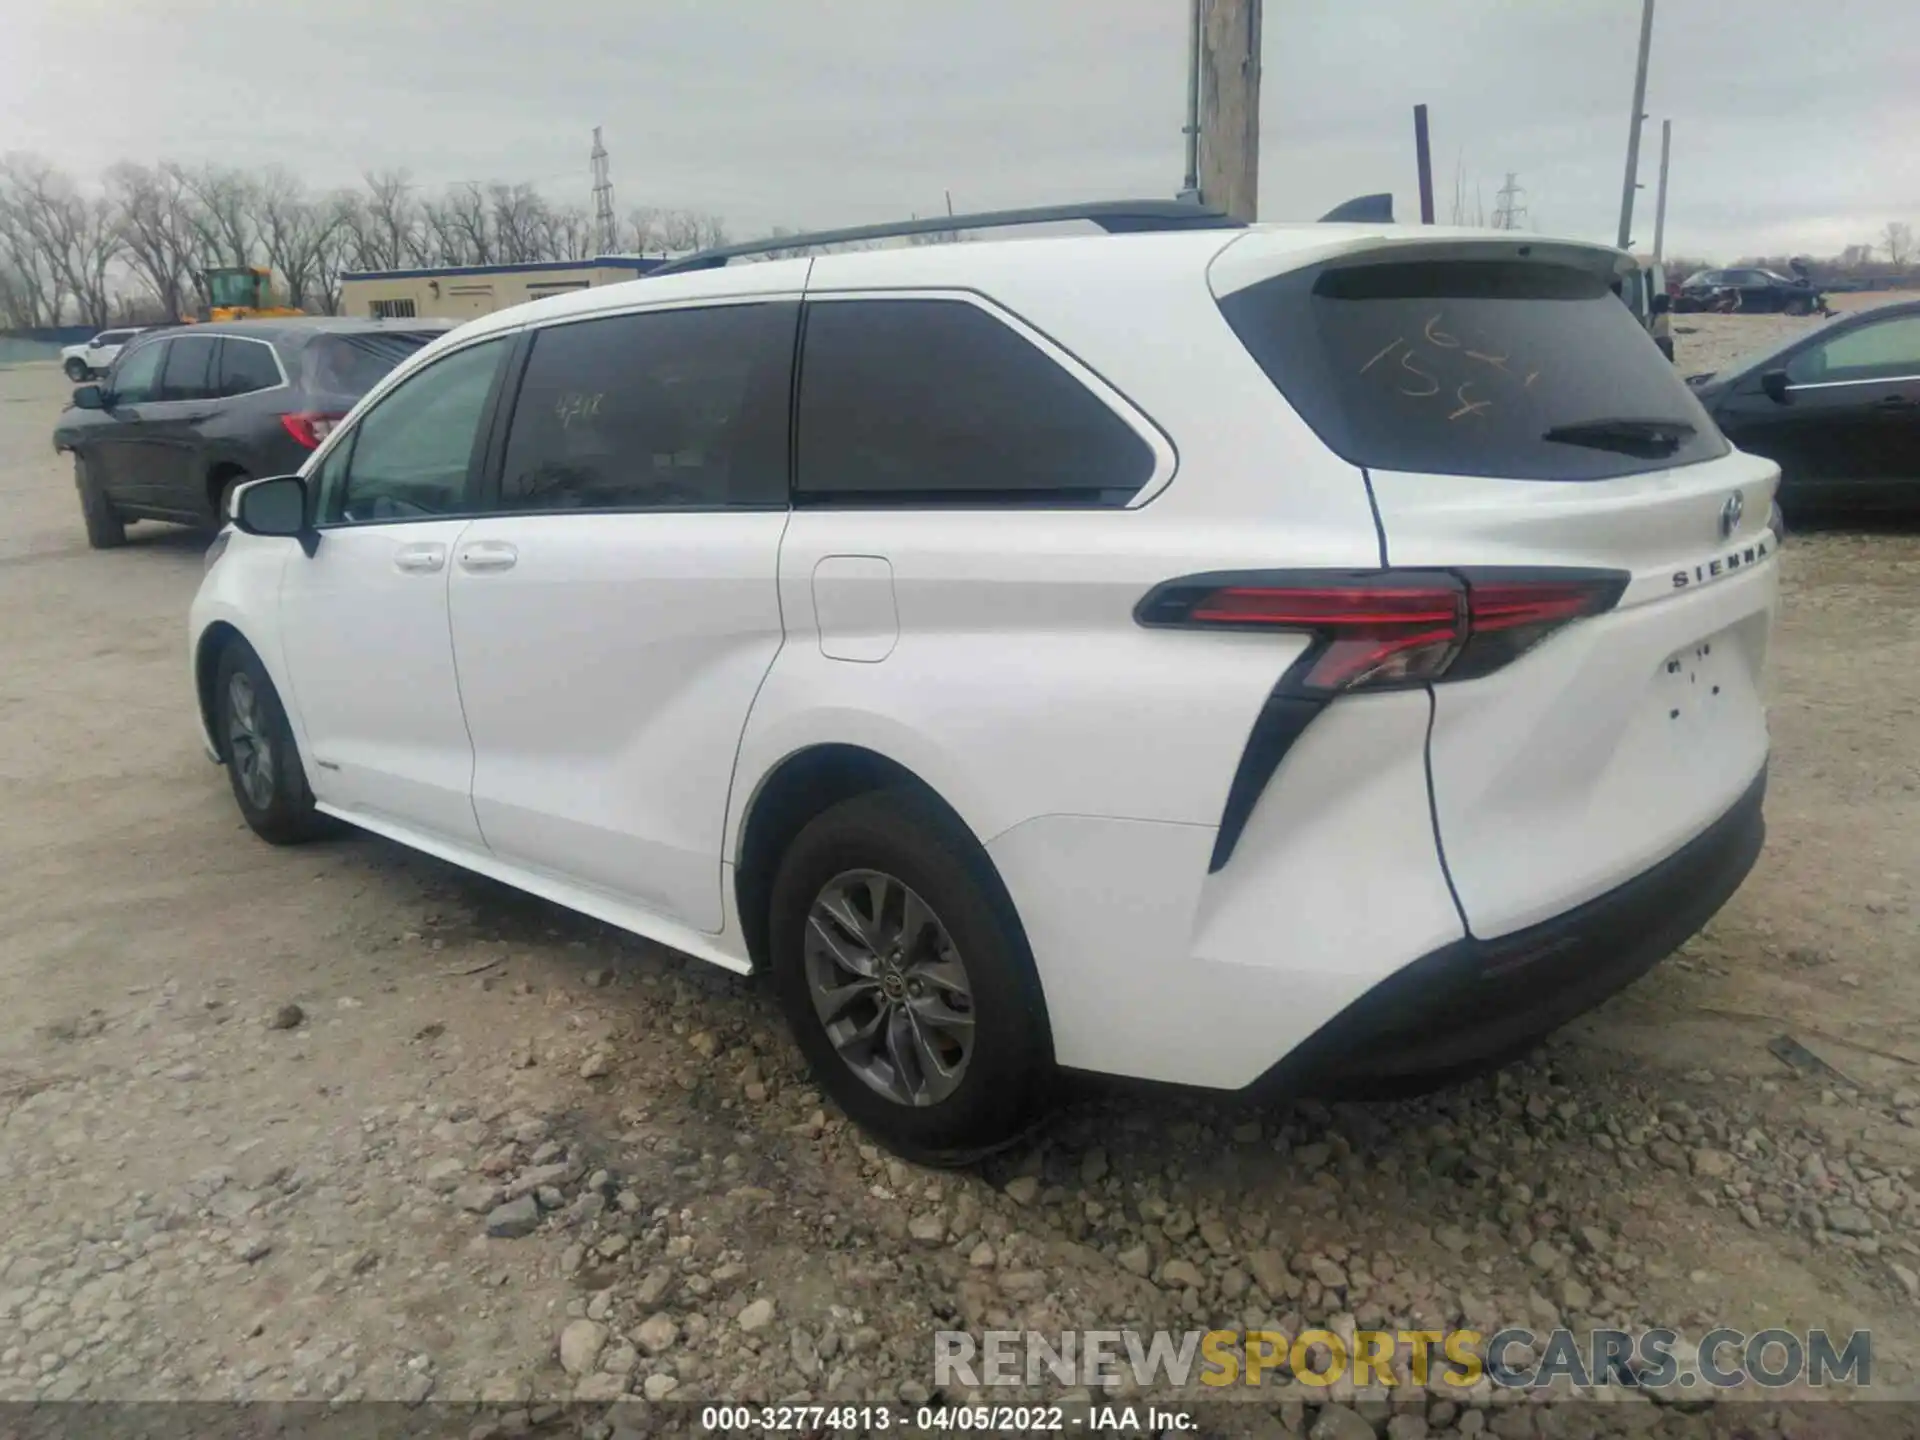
<point>1477,1001</point>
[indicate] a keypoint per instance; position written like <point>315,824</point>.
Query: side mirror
<point>274,507</point>
<point>88,397</point>
<point>1662,303</point>
<point>1773,384</point>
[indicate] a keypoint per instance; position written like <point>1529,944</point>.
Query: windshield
<point>233,287</point>
<point>347,366</point>
<point>1501,368</point>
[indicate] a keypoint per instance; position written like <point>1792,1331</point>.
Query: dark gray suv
<point>187,414</point>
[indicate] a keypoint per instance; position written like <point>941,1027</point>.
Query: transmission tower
<point>605,240</point>
<point>1510,206</point>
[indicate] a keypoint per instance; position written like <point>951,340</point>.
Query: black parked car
<point>1761,290</point>
<point>1838,407</point>
<point>187,414</point>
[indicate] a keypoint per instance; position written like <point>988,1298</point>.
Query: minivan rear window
<point>1508,369</point>
<point>352,364</point>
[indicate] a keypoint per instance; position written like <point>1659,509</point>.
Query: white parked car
<point>1279,656</point>
<point>96,356</point>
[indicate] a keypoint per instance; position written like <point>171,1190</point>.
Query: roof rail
<point>1113,216</point>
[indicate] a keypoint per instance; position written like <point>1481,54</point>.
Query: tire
<point>257,747</point>
<point>990,1078</point>
<point>105,528</point>
<point>223,502</point>
<point>1777,519</point>
<point>77,370</point>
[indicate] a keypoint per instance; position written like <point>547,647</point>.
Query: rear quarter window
<point>350,365</point>
<point>936,402</point>
<point>247,366</point>
<point>1504,369</point>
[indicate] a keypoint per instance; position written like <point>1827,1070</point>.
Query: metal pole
<point>1424,155</point>
<point>1660,200</point>
<point>1633,129</point>
<point>1190,186</point>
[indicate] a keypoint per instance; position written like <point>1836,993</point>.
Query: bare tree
<point>335,256</point>
<point>29,290</point>
<point>154,231</point>
<point>517,218</point>
<point>1897,241</point>
<point>569,234</point>
<point>87,244</point>
<point>389,232</point>
<point>459,223</point>
<point>223,213</point>
<point>692,230</point>
<point>642,230</point>
<point>297,231</point>
<point>59,242</point>
<point>154,210</point>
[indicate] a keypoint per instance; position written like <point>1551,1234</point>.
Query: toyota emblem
<point>1730,514</point>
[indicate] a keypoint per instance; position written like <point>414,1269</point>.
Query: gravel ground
<point>344,1122</point>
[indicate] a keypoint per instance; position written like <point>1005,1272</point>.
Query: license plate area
<point>1701,687</point>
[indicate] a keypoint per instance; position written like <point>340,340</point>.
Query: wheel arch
<point>800,786</point>
<point>207,650</point>
<point>219,472</point>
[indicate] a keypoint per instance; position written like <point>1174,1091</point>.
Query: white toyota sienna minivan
<point>1275,655</point>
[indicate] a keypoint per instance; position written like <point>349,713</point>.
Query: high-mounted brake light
<point>310,427</point>
<point>1389,628</point>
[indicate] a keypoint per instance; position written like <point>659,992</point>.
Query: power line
<point>604,237</point>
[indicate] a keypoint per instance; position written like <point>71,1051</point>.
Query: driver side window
<point>412,456</point>
<point>1886,350</point>
<point>136,375</point>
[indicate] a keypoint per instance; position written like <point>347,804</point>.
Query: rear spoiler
<point>1361,210</point>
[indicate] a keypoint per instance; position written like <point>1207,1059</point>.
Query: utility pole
<point>1423,159</point>
<point>1228,82</point>
<point>1633,128</point>
<point>605,240</point>
<point>1660,199</point>
<point>1190,184</point>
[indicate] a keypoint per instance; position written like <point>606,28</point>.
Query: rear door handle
<point>485,557</point>
<point>1895,402</point>
<point>425,557</point>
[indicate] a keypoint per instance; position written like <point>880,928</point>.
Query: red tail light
<point>310,427</point>
<point>1389,628</point>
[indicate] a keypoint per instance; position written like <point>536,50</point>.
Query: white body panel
<point>1087,713</point>
<point>1157,969</point>
<point>363,625</point>
<point>97,358</point>
<point>1616,741</point>
<point>606,674</point>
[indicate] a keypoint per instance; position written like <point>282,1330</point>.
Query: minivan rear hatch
<point>1510,415</point>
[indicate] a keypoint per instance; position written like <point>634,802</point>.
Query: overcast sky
<point>1795,125</point>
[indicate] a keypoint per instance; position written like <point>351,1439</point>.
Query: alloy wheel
<point>248,741</point>
<point>889,987</point>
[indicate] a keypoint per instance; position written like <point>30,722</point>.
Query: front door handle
<point>1895,402</point>
<point>426,557</point>
<point>485,557</point>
